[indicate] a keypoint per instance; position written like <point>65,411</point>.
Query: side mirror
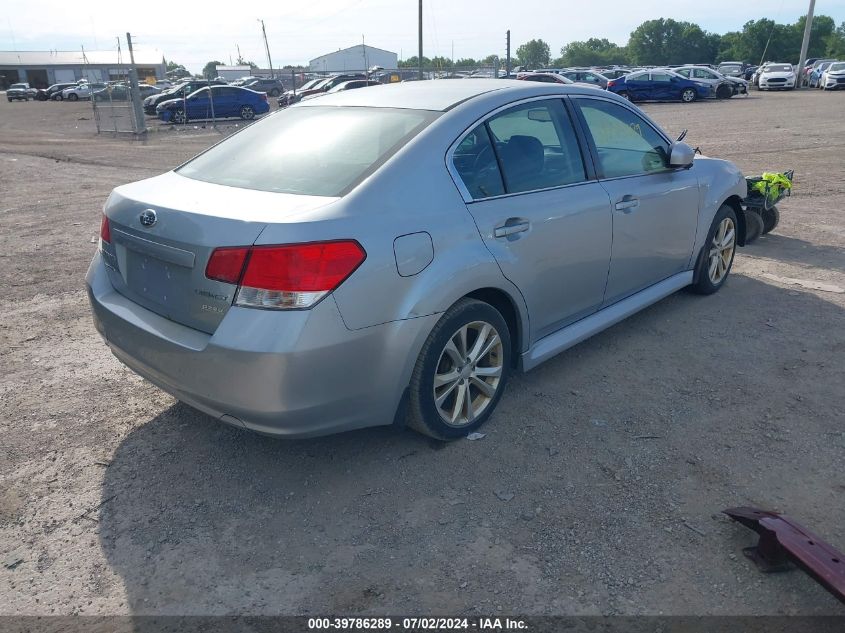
<point>681,155</point>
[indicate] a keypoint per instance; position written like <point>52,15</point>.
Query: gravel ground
<point>597,489</point>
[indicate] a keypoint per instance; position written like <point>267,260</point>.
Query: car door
<point>655,207</point>
<point>539,209</point>
<point>638,87</point>
<point>662,87</point>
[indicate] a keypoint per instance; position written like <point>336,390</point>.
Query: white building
<point>42,68</point>
<point>360,58</point>
<point>231,73</point>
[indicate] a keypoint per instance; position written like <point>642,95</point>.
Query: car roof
<point>438,95</point>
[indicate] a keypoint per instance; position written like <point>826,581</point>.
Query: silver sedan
<point>392,255</point>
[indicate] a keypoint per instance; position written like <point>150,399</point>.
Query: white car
<point>777,77</point>
<point>81,91</point>
<point>724,87</point>
<point>833,78</point>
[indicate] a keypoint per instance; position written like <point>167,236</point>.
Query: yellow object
<point>776,183</point>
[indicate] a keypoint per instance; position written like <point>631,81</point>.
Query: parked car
<point>122,92</point>
<point>224,102</point>
<point>659,85</point>
<point>273,87</point>
<point>329,82</point>
<point>615,73</point>
<point>326,269</point>
<point>723,87</point>
<point>163,84</point>
<point>776,76</point>
<point>834,77</point>
<point>544,77</point>
<point>354,85</point>
<point>749,73</point>
<point>53,92</point>
<point>814,79</point>
<point>811,65</point>
<point>81,91</point>
<point>731,69</point>
<point>177,92</point>
<point>292,96</point>
<point>20,92</point>
<point>586,77</point>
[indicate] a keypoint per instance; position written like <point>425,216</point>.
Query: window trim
<point>586,154</point>
<point>594,150</point>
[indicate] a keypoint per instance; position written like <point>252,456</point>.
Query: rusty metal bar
<point>782,541</point>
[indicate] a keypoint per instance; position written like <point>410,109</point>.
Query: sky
<point>193,33</point>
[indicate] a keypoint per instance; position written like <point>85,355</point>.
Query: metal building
<point>359,57</point>
<point>40,69</point>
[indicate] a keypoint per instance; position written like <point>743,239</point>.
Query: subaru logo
<point>148,217</point>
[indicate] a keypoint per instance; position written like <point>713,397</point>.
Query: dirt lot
<point>618,454</point>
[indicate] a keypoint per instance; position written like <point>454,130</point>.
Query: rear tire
<point>753,226</point>
<point>247,113</point>
<point>771,218</point>
<point>461,371</point>
<point>717,254</point>
<point>624,94</point>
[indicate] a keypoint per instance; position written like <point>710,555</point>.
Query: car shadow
<point>197,518</point>
<point>797,251</point>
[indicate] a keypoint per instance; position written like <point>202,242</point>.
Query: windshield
<point>315,151</point>
<point>779,68</point>
<point>837,66</point>
<point>18,86</point>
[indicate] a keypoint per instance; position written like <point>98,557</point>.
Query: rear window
<point>315,151</point>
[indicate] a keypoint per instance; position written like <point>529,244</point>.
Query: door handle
<point>627,204</point>
<point>510,229</point>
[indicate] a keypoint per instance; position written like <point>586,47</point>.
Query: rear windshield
<point>315,151</point>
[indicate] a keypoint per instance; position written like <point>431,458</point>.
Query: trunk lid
<point>163,231</point>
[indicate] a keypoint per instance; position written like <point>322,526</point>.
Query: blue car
<point>224,102</point>
<point>659,85</point>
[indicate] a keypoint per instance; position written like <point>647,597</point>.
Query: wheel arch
<point>735,202</point>
<point>507,307</point>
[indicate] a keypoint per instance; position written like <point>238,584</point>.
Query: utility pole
<point>805,44</point>
<point>508,62</point>
<point>266,48</point>
<point>140,126</point>
<point>420,54</point>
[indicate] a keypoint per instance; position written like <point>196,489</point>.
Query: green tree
<point>209,71</point>
<point>441,62</point>
<point>466,62</point>
<point>593,52</point>
<point>666,41</point>
<point>413,62</point>
<point>534,54</point>
<point>835,43</point>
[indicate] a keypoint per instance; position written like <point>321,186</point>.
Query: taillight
<point>288,276</point>
<point>263,96</point>
<point>105,230</point>
<point>226,264</point>
<point>611,83</point>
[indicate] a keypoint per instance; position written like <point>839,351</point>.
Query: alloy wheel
<point>688,95</point>
<point>468,373</point>
<point>247,113</point>
<point>721,251</point>
<point>179,117</point>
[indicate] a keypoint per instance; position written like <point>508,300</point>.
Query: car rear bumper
<point>285,373</point>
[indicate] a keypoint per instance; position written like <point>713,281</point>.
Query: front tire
<point>73,97</point>
<point>461,371</point>
<point>717,254</point>
<point>179,116</point>
<point>688,95</point>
